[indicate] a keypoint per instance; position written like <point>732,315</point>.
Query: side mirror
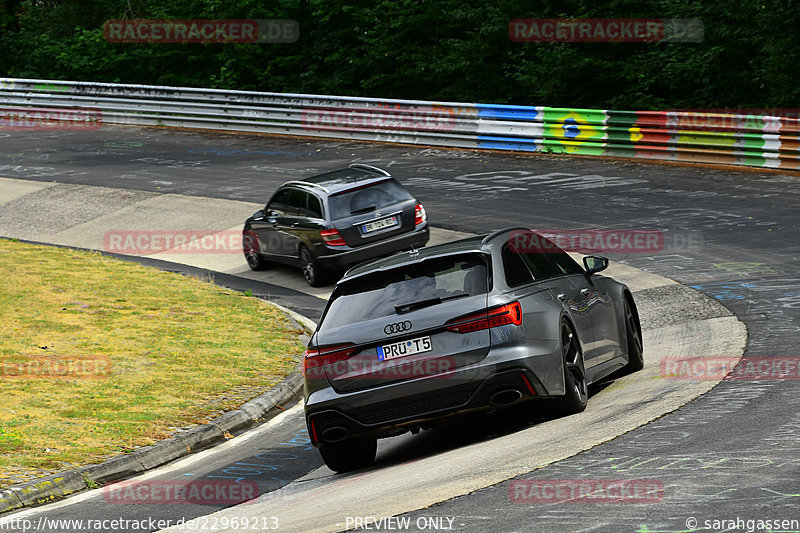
<point>594,264</point>
<point>258,215</point>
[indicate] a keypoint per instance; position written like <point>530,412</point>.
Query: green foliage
<point>428,49</point>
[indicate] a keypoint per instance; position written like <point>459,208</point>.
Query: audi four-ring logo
<point>397,327</point>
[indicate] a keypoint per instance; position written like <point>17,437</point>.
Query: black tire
<point>315,275</point>
<point>633,332</point>
<point>250,248</point>
<point>577,392</point>
<point>350,454</point>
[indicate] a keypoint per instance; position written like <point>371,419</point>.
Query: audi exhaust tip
<point>506,397</point>
<point>335,434</point>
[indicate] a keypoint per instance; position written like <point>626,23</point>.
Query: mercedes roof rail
<point>370,168</point>
<point>308,184</point>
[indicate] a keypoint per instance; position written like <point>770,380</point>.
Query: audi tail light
<point>326,355</point>
<point>419,215</point>
<point>491,318</point>
<point>332,237</point>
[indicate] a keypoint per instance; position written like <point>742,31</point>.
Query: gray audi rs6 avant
<point>478,324</point>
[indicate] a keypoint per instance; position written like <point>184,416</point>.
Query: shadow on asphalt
<point>478,427</point>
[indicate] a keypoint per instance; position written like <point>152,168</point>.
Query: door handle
<point>562,296</point>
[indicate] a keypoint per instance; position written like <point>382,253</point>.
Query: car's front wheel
<point>350,454</point>
<point>577,393</point>
<point>250,248</point>
<point>315,275</point>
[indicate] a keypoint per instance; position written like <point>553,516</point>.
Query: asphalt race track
<point>732,235</point>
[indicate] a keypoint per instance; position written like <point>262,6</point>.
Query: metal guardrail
<point>752,140</point>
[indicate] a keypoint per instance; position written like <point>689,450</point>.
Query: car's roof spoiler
<point>369,168</point>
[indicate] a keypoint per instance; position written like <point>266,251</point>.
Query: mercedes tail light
<point>419,215</point>
<point>332,237</point>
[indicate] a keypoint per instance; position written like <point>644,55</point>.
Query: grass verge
<point>99,356</point>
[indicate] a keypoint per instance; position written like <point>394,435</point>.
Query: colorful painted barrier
<point>760,138</point>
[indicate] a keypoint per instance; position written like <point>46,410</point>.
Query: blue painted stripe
<point>507,143</point>
<point>508,112</point>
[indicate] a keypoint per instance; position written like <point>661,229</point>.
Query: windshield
<point>404,289</point>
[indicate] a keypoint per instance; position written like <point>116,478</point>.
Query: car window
<point>516,270</point>
<point>279,203</point>
<point>376,295</point>
<point>314,207</point>
<point>296,201</point>
<point>376,196</point>
<point>560,259</point>
<point>565,263</point>
<point>536,251</point>
<point>540,265</point>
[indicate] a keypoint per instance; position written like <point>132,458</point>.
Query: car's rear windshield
<point>367,199</point>
<point>404,289</point>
